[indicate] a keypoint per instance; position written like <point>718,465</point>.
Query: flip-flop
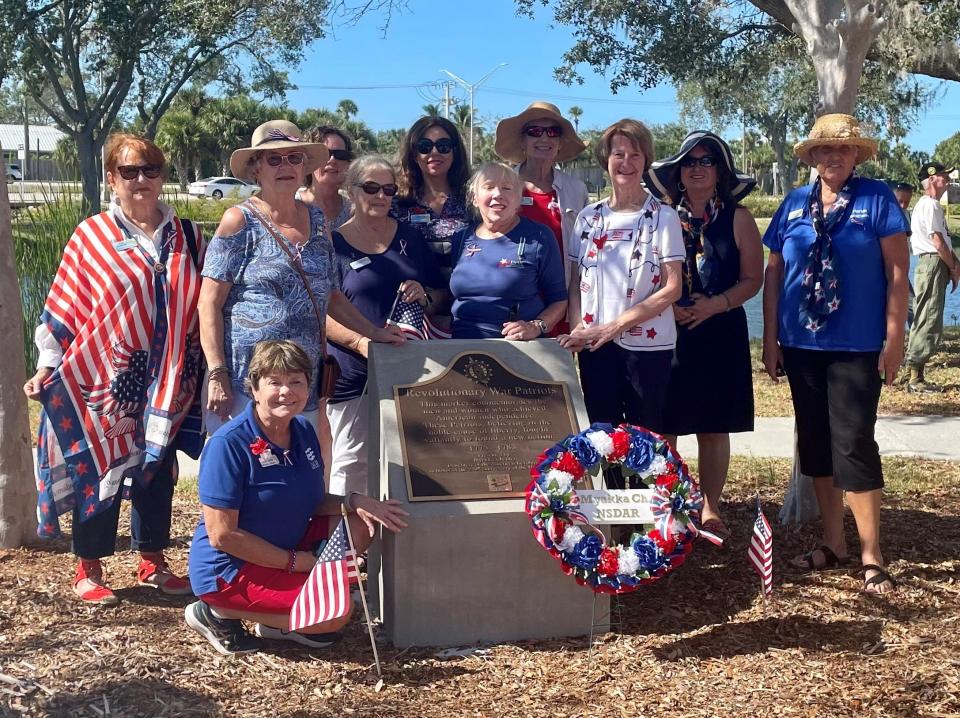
<point>717,528</point>
<point>830,560</point>
<point>881,576</point>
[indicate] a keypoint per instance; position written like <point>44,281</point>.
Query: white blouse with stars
<point>620,256</point>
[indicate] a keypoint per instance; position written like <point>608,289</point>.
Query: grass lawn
<point>699,642</point>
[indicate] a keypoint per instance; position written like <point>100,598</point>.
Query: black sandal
<point>881,576</point>
<point>830,560</point>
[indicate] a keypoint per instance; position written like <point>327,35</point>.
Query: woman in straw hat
<point>536,140</point>
<point>711,380</point>
<point>270,273</point>
<point>834,307</point>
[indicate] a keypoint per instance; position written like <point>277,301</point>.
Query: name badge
<point>419,218</point>
<point>526,201</point>
<point>267,458</point>
<point>795,213</point>
<point>124,244</point>
<point>360,263</point>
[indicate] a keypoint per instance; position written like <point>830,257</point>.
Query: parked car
<point>220,187</point>
<point>13,173</point>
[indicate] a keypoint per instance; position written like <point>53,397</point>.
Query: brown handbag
<point>329,368</point>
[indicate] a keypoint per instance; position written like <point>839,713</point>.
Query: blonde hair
<point>276,357</point>
<point>496,171</point>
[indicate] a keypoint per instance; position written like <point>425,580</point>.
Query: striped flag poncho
<point>128,327</point>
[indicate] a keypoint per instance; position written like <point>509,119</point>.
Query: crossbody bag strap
<point>282,242</point>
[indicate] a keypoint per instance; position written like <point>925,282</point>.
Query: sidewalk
<point>932,437</point>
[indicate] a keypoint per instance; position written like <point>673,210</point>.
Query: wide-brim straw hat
<point>509,140</point>
<point>277,135</point>
<point>832,130</point>
<point>663,177</point>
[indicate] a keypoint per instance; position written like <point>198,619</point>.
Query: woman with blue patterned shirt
<point>253,288</point>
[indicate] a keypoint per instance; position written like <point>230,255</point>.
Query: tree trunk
<point>182,169</point>
<point>838,34</point>
<point>87,149</point>
<point>18,497</point>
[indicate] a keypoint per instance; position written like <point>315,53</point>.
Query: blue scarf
<point>820,288</point>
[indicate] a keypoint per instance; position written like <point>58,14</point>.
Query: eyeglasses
<point>705,161</point>
<point>371,187</point>
<point>342,155</point>
<point>295,159</point>
<point>131,172</point>
<point>425,146</point>
<point>537,131</point>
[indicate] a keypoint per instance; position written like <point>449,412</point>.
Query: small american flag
<point>326,594</point>
<point>760,552</point>
<point>413,321</point>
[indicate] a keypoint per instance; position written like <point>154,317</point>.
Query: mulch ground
<point>699,642</point>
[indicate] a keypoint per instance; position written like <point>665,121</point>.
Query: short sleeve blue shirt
<point>274,502</point>
<point>494,280</point>
<point>860,322</point>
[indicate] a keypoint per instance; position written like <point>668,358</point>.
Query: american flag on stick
<point>326,594</point>
<point>413,321</point>
<point>760,552</point>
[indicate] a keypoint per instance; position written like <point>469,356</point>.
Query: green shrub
<point>761,205</point>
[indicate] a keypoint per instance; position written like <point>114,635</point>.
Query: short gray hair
<point>361,166</point>
<point>492,171</point>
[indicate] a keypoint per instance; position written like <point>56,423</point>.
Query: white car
<point>220,187</point>
<point>13,173</point>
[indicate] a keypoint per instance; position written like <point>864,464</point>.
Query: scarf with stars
<point>701,259</point>
<point>820,288</point>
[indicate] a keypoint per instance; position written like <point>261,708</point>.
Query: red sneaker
<point>153,571</point>
<point>88,584</point>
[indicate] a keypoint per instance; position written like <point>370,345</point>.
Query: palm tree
<point>231,121</point>
<point>576,112</point>
<point>431,110</point>
<point>347,109</point>
<point>181,138</point>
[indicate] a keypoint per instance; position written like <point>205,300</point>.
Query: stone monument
<point>454,428</point>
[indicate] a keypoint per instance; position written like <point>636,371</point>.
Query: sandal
<point>717,528</point>
<point>830,560</point>
<point>881,576</point>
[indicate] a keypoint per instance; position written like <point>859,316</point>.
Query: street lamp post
<point>471,88</point>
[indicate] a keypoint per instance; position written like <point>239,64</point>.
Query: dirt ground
<point>700,642</point>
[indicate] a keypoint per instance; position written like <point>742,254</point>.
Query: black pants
<point>152,505</point>
<point>624,386</point>
<point>835,396</point>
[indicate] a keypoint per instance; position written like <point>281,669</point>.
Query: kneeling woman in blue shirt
<point>265,511</point>
<point>508,282</point>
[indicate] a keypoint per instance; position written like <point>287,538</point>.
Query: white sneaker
<point>311,640</point>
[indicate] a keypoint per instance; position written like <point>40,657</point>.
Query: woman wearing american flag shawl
<point>117,373</point>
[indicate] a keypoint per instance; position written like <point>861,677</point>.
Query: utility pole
<point>446,99</point>
<point>471,88</point>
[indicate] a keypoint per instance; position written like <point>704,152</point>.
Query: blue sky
<point>469,39</point>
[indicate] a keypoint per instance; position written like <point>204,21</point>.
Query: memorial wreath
<point>561,528</point>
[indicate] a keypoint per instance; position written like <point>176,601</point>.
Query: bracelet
<point>541,325</point>
<point>426,295</point>
<point>346,500</point>
<point>727,300</point>
<point>218,369</point>
<point>292,561</point>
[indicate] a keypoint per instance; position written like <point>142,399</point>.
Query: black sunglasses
<point>705,161</point>
<point>537,131</point>
<point>342,155</point>
<point>131,172</point>
<point>425,146</point>
<point>295,159</point>
<point>371,187</point>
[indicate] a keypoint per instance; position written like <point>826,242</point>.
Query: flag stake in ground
<point>760,552</point>
<point>363,593</point>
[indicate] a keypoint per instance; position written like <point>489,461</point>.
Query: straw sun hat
<point>509,139</point>
<point>832,130</point>
<point>277,135</point>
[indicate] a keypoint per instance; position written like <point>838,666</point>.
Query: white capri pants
<point>349,427</point>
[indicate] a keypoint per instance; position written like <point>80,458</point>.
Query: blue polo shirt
<point>860,322</point>
<point>274,502</point>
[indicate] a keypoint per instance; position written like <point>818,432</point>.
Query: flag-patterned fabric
<point>128,327</point>
<point>414,322</point>
<point>326,593</point>
<point>760,552</point>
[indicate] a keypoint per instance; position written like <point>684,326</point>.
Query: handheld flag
<point>326,594</point>
<point>413,321</point>
<point>760,552</point>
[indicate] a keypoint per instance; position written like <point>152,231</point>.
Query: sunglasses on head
<point>294,159</point>
<point>371,187</point>
<point>537,131</point>
<point>425,146</point>
<point>342,155</point>
<point>705,161</point>
<point>131,172</point>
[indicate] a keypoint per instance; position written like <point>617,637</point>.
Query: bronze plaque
<point>474,431</point>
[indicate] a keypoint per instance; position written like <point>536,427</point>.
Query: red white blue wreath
<point>563,530</point>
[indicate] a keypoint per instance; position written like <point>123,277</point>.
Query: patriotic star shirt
<point>620,256</point>
<point>860,322</point>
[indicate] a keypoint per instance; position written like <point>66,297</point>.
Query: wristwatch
<point>541,325</point>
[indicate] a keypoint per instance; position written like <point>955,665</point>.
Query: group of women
<point>646,286</point>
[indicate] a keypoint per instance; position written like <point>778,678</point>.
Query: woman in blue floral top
<point>253,287</point>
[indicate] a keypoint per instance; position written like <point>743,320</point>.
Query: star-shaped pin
<point>587,318</point>
<point>651,333</point>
